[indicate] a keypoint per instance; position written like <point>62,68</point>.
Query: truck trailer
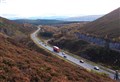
<point>56,49</point>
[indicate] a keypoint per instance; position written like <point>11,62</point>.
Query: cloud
<point>29,8</point>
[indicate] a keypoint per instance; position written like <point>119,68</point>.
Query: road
<point>86,65</point>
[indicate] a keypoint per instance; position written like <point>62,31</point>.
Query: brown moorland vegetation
<point>19,64</point>
<point>64,30</point>
<point>11,28</point>
<point>106,25</point>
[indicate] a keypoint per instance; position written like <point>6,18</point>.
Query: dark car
<point>96,68</point>
<point>81,61</point>
<point>65,56</point>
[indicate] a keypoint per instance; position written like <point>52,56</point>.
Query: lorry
<point>56,49</point>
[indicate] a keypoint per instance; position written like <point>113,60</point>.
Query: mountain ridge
<point>108,25</point>
<point>84,18</point>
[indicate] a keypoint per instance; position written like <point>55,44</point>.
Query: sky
<point>46,8</point>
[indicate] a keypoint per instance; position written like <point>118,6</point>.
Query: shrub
<point>46,34</point>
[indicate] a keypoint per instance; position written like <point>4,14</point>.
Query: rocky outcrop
<point>6,31</point>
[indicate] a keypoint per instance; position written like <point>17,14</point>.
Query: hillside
<point>107,25</point>
<point>19,64</point>
<point>8,27</point>
<point>11,28</point>
<point>63,30</point>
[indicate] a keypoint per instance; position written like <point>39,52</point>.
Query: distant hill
<point>11,28</point>
<point>43,21</point>
<point>108,25</point>
<point>8,27</point>
<point>84,18</point>
<point>49,17</point>
<point>40,17</point>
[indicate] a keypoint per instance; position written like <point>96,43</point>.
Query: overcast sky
<point>32,8</point>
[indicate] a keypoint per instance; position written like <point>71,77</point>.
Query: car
<point>65,56</point>
<point>81,61</point>
<point>96,68</point>
<point>63,53</point>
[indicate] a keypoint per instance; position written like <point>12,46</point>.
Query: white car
<point>96,68</point>
<point>63,53</point>
<point>81,61</point>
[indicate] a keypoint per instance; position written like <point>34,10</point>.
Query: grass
<point>99,73</point>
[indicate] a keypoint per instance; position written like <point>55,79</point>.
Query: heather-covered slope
<point>106,25</point>
<point>19,64</point>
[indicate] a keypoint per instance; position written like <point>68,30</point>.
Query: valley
<point>22,60</point>
<point>59,41</point>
